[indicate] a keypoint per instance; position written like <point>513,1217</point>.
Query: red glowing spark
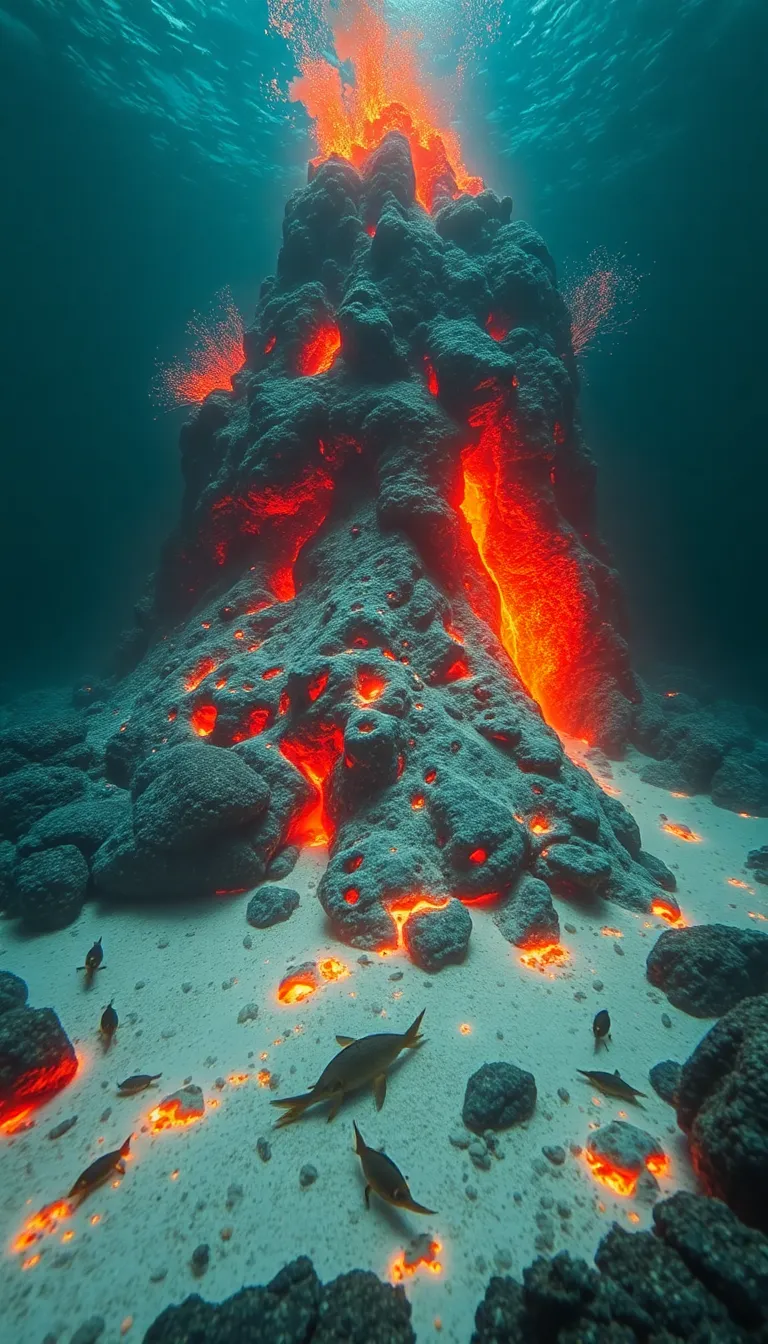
<point>203,720</point>
<point>214,357</point>
<point>679,829</point>
<point>319,353</point>
<point>432,383</point>
<point>478,856</point>
<point>315,754</point>
<point>389,93</point>
<point>598,298</point>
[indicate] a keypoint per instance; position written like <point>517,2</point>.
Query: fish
<point>93,959</point>
<point>108,1024</point>
<point>100,1171</point>
<point>138,1082</point>
<point>612,1084</point>
<point>384,1178</point>
<point>601,1028</point>
<point>358,1063</point>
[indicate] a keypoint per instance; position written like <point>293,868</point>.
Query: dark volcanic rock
<point>658,870</point>
<point>283,863</point>
<point>529,918</point>
<point>664,1078</point>
<point>498,1096</point>
<point>439,938</point>
<point>87,824</point>
<point>741,784</point>
<point>706,969</point>
<point>624,1146</point>
<point>757,863</point>
<point>13,991</point>
<point>295,1308</point>
<point>28,794</point>
<point>7,871</point>
<point>36,1057</point>
<point>700,1276</point>
<point>38,739</point>
<point>51,888</point>
<point>271,905</point>
<point>722,1105</point>
<point>192,794</point>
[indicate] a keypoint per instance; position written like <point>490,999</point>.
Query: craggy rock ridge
<point>386,562</point>
<point>700,1275</point>
<point>295,1308</point>
<point>722,1107</point>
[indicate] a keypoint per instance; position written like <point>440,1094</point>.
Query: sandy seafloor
<point>130,1253</point>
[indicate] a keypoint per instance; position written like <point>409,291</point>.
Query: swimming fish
<point>100,1171</point>
<point>612,1084</point>
<point>384,1178</point>
<point>108,1024</point>
<point>601,1028</point>
<point>93,959</point>
<point>137,1082</point>
<point>358,1063</point>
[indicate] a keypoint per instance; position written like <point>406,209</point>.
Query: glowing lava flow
<point>315,755</point>
<point>36,1087</point>
<point>388,93</point>
<point>401,911</point>
<point>544,616</point>
<point>669,911</point>
<point>681,831</point>
<point>319,353</point>
<point>285,517</point>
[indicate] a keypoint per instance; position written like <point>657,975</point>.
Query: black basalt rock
<point>439,938</point>
<point>36,1057</point>
<point>271,905</point>
<point>708,968</point>
<point>13,991</point>
<point>722,1105</point>
<point>664,1078</point>
<point>50,888</point>
<point>498,1096</point>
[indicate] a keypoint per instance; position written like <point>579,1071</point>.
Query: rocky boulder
<point>707,969</point>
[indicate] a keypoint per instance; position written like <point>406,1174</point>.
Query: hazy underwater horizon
<point>384,692</point>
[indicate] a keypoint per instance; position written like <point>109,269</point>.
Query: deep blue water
<point>146,165</point>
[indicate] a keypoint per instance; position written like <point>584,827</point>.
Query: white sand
<point>152,1221</point>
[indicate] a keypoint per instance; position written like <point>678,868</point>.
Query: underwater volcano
<point>386,595</point>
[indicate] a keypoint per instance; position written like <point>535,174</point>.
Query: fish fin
<point>640,1094</point>
<point>359,1140</point>
<point>380,1090</point>
<point>584,1073</point>
<point>334,1111</point>
<point>344,1041</point>
<point>367,1194</point>
<point>616,1073</point>
<point>413,1207</point>
<point>411,1037</point>
<point>304,1099</point>
<point>153,1077</point>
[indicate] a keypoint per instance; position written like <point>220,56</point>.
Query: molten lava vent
<point>386,594</point>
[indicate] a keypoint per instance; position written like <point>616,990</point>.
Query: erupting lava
<point>389,93</point>
<point>214,358</point>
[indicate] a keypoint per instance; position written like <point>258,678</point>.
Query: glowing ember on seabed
<point>620,1181</point>
<point>214,357</point>
<point>170,1115</point>
<point>539,958</point>
<point>332,969</point>
<point>738,882</point>
<point>43,1223</point>
<point>389,93</point>
<point>681,831</point>
<point>666,910</point>
<point>406,1264</point>
<point>401,911</point>
<point>294,989</point>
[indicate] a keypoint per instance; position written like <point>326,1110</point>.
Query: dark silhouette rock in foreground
<point>295,1308</point>
<point>36,1058</point>
<point>722,1106</point>
<point>498,1096</point>
<point>699,1276</point>
<point>664,1078</point>
<point>707,969</point>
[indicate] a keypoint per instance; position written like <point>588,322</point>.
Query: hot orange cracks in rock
<point>319,352</point>
<point>199,672</point>
<point>284,516</point>
<point>37,1087</point>
<point>621,1181</point>
<point>203,720</point>
<point>666,910</point>
<point>389,93</point>
<point>400,911</point>
<point>681,831</point>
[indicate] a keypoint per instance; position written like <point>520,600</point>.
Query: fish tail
<point>294,1108</point>
<point>413,1207</point>
<point>412,1038</point>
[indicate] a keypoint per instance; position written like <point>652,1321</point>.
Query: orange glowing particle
<point>126,1324</point>
<point>320,351</point>
<point>263,1077</point>
<point>755,914</point>
<point>478,856</point>
<point>680,830</point>
<point>633,1217</point>
<point>737,882</point>
<point>538,958</point>
<point>94,1219</point>
<point>465,1029</point>
<point>215,356</point>
<point>42,1223</point>
<point>608,932</point>
<point>68,1235</point>
<point>31,1262</point>
<point>174,1176</point>
<point>237,1079</point>
<point>203,720</point>
<point>539,825</point>
<point>239,634</point>
<point>417,802</point>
